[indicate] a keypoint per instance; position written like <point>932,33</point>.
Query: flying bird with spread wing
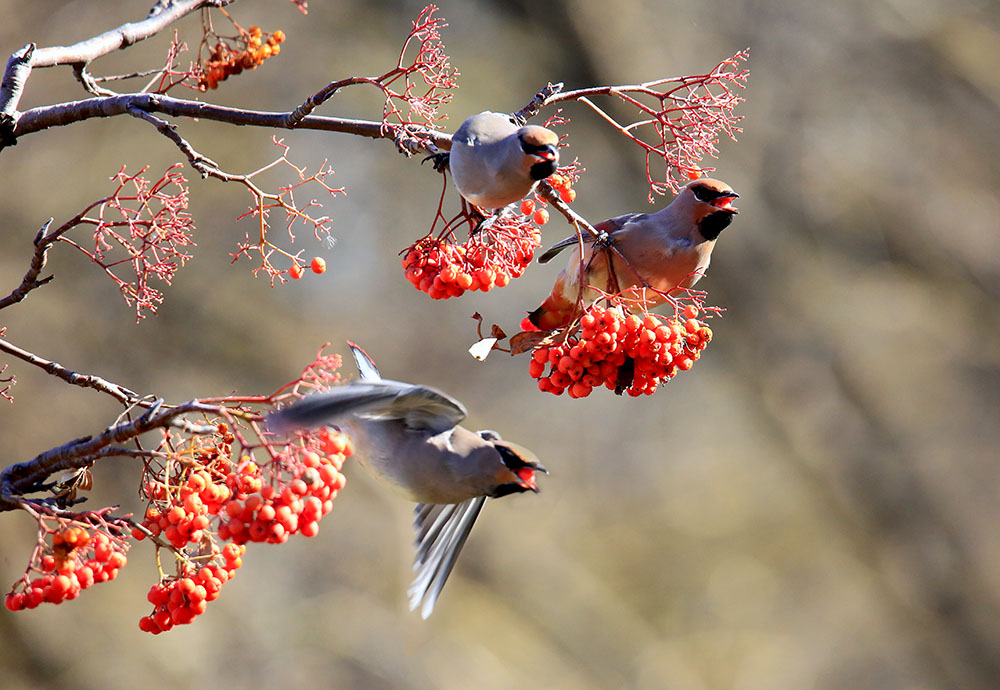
<point>409,437</point>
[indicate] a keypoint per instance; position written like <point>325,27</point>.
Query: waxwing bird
<point>409,437</point>
<point>669,249</point>
<point>495,162</point>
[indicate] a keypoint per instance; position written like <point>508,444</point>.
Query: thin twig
<point>119,393</point>
<point>30,281</point>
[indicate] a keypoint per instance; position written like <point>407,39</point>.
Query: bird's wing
<point>441,534</point>
<point>418,407</point>
<point>552,251</point>
<point>610,226</point>
<point>423,407</point>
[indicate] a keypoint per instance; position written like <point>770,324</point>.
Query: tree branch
<point>23,477</point>
<point>45,117</point>
<point>540,100</point>
<point>14,77</point>
<point>30,281</point>
<point>119,393</point>
<point>121,37</point>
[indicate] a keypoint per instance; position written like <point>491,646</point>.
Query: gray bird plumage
<point>495,162</point>
<point>409,437</point>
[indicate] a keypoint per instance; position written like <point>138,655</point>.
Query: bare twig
<point>540,100</point>
<point>30,281</point>
<point>119,393</point>
<point>203,164</point>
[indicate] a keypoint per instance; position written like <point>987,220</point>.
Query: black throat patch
<point>539,171</point>
<point>713,224</point>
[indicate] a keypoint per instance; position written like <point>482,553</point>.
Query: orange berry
<point>541,216</point>
<point>318,265</point>
<point>296,272</point>
<point>568,195</point>
<point>527,207</point>
<point>690,312</point>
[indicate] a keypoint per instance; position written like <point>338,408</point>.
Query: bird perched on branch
<point>408,436</point>
<point>668,249</point>
<point>494,161</point>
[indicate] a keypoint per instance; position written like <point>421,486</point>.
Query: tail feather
<point>366,365</point>
<point>441,534</point>
<point>554,250</point>
<point>555,312</point>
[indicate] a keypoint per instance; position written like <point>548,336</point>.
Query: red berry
<point>296,272</point>
<point>318,265</point>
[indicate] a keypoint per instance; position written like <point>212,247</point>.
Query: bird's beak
<point>725,202</point>
<point>547,153</point>
<point>526,478</point>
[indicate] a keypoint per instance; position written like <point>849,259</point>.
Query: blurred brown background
<point>814,506</point>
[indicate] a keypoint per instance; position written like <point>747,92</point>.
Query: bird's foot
<point>440,160</point>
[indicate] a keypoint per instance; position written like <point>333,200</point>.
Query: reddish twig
<point>685,114</point>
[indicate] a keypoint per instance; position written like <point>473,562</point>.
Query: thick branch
<point>11,88</point>
<point>23,477</point>
<point>121,37</point>
<point>38,119</point>
<point>14,77</point>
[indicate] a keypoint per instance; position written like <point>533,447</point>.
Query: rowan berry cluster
<point>490,258</point>
<point>185,521</point>
<point>273,512</point>
<point>179,600</point>
<point>225,61</point>
<point>77,559</point>
<point>633,353</point>
<point>209,497</point>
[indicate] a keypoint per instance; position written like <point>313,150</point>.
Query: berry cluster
<point>225,61</point>
<point>488,259</point>
<point>178,601</point>
<point>210,497</point>
<point>625,352</point>
<point>498,249</point>
<point>184,522</point>
<point>562,181</point>
<point>274,513</point>
<point>78,559</point>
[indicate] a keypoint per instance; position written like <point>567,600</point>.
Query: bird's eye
<point>705,194</point>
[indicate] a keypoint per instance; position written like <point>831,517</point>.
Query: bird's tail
<point>441,534</point>
<point>366,365</point>
<point>555,312</point>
